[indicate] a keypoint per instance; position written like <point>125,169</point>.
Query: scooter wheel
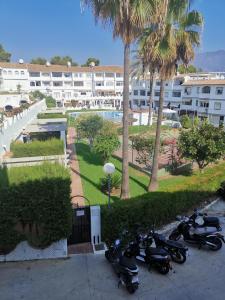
<point>217,243</point>
<point>175,236</point>
<point>108,256</point>
<point>178,257</point>
<point>163,269</point>
<point>131,288</point>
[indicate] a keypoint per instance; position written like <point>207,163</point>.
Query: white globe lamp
<point>109,169</point>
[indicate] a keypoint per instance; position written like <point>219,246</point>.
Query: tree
<point>37,95</point>
<point>50,102</point>
<point>182,69</point>
<point>91,60</point>
<point>165,45</point>
<point>127,18</point>
<point>105,145</point>
<point>145,148</point>
<point>62,60</point>
<point>38,61</point>
<point>89,126</point>
<point>204,144</point>
<point>186,121</point>
<point>4,55</point>
<point>18,87</point>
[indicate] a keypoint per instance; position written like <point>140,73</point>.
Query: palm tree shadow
<point>86,154</point>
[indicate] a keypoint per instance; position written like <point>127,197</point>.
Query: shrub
<point>115,183</point>
<point>186,122</point>
<point>37,148</point>
<point>50,102</point>
<point>35,206</point>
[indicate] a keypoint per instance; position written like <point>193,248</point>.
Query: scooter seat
<point>174,244</point>
<point>211,220</point>
<point>156,251</point>
<point>128,262</point>
<point>203,230</point>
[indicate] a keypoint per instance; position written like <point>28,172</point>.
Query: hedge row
<point>37,148</point>
<point>50,116</point>
<point>162,207</point>
<point>35,206</point>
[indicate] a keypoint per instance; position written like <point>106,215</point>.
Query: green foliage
<point>38,61</point>
<point>62,60</point>
<point>115,182</point>
<point>35,206</point>
<point>50,102</point>
<point>37,95</point>
<point>204,144</point>
<point>37,148</point>
<point>4,55</point>
<point>89,126</point>
<point>145,149</point>
<point>186,121</point>
<point>182,69</point>
<point>107,141</point>
<point>50,116</point>
<point>91,60</point>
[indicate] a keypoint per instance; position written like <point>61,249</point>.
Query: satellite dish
<point>21,61</point>
<point>48,63</point>
<point>69,64</point>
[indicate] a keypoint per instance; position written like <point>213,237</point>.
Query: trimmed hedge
<point>50,116</point>
<point>37,148</point>
<point>34,206</point>
<point>159,208</point>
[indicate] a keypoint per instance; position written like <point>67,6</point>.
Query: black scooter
<point>213,222</point>
<point>202,236</point>
<point>153,257</point>
<point>124,264</point>
<point>176,250</point>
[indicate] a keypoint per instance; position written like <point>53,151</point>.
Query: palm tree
<point>165,46</point>
<point>127,18</point>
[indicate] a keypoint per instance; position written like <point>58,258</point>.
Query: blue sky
<point>31,28</point>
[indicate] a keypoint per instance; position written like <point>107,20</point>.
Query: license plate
<point>135,279</point>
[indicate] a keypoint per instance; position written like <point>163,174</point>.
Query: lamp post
<point>109,169</point>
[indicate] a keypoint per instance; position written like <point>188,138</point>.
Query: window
<point>118,75</point>
<point>135,92</point>
<point>219,91</point>
<point>78,83</point>
<point>37,83</point>
<point>68,95</point>
<point>56,74</point>
<point>119,83</point>
<point>206,90</point>
<point>157,93</point>
<point>196,102</point>
<point>109,83</point>
<point>67,75</point>
<point>187,102</point>
<point>187,91</point>
<point>16,73</point>
<point>109,75</point>
<point>46,83</point>
<point>204,104</point>
<point>57,83</point>
<point>178,81</point>
<point>217,105</point>
<point>34,74</point>
<point>68,83</point>
<point>198,90</point>
<point>142,103</point>
<point>32,83</point>
<point>4,72</point>
<point>9,72</point>
<point>176,94</point>
<point>98,74</point>
<point>57,95</point>
<point>99,83</point>
<point>148,93</point>
<point>136,102</point>
<point>166,94</point>
<point>158,83</point>
<point>22,72</point>
<point>142,93</point>
<point>88,75</point>
<point>45,74</point>
<point>83,93</point>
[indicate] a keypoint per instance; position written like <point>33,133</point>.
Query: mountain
<point>211,61</point>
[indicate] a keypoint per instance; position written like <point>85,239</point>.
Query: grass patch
<point>91,170</point>
<point>37,148</point>
<point>50,116</point>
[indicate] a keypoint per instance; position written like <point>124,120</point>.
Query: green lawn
<point>91,171</point>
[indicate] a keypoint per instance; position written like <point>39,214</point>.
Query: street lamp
<point>109,169</point>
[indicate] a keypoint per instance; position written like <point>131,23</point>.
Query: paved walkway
<point>76,186</point>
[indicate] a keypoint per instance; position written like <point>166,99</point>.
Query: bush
<point>37,148</point>
<point>186,122</point>
<point>50,102</point>
<point>115,183</point>
<point>35,206</point>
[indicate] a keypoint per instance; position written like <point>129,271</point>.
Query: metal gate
<point>81,226</point>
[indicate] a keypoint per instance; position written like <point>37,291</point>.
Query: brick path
<point>76,186</point>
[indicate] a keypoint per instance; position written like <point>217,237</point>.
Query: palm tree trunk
<point>150,99</point>
<point>153,184</point>
<point>125,167</point>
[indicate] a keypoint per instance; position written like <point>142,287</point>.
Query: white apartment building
<point>201,95</point>
<point>84,86</point>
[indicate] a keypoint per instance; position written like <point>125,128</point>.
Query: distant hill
<point>211,61</point>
